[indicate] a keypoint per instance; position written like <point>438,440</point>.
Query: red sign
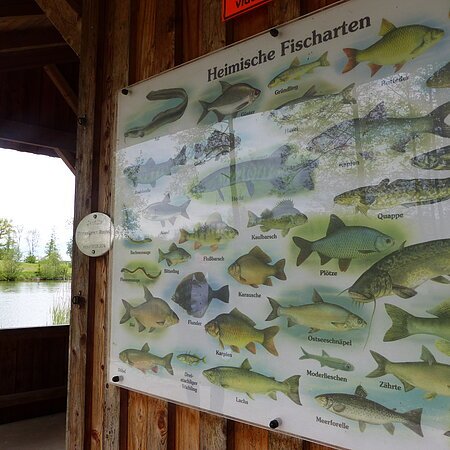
<point>232,8</point>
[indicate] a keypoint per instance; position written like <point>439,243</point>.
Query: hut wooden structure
<point>62,63</point>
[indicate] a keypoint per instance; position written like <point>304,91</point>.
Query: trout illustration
<point>358,407</point>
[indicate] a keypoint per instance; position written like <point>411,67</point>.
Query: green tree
<point>6,236</point>
<point>10,267</point>
<point>51,266</point>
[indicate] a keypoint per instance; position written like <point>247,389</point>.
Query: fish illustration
<point>283,217</point>
<point>214,232</point>
<point>143,360</point>
<point>175,255</point>
<point>163,210</point>
<point>234,98</point>
<point>311,101</point>
<point>272,169</point>
<point>326,360</point>
<point>401,192</point>
<point>344,243</point>
<point>164,117</point>
<point>237,330</point>
<point>440,78</point>
<point>358,407</point>
<point>217,145</point>
<point>428,375</point>
<point>317,316</point>
<point>190,360</point>
<point>394,132</point>
<point>243,379</point>
<point>152,314</point>
<point>254,269</point>
<point>438,159</point>
<point>403,270</point>
<point>150,172</point>
<point>405,324</point>
<point>296,70</point>
<point>396,47</point>
<point>194,294</point>
<point>443,346</point>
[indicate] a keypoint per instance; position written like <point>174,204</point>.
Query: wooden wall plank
<point>104,399</point>
<point>157,424</point>
<point>187,429</point>
<point>213,432</point>
<point>137,415</point>
<point>281,11</point>
<point>247,437</point>
<point>149,56</point>
<point>278,441</point>
<point>154,53</point>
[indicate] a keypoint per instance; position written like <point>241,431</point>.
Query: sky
<point>37,192</point>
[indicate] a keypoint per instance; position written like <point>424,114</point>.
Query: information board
<point>282,244</point>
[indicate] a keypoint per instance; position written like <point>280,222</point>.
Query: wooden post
<point>76,418</point>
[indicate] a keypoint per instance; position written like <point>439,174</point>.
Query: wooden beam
<point>65,19</point>
<point>78,390</point>
<point>30,58</point>
<point>68,158</point>
<point>11,130</point>
<point>63,86</point>
<point>27,148</point>
<point>38,395</point>
<point>28,39</point>
<point>14,8</point>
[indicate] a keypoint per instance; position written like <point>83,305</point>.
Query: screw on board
<point>117,378</point>
<point>125,91</point>
<point>82,120</point>
<point>275,423</point>
<point>274,32</point>
<point>78,300</point>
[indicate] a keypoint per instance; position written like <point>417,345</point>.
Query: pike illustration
<point>272,169</point>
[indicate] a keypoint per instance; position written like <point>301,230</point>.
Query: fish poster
<point>282,243</point>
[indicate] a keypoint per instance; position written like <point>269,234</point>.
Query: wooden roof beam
<point>31,38</point>
<point>15,8</point>
<point>65,19</point>
<point>38,57</point>
<point>63,86</point>
<point>20,132</point>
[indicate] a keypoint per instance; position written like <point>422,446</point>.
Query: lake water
<point>33,304</point>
